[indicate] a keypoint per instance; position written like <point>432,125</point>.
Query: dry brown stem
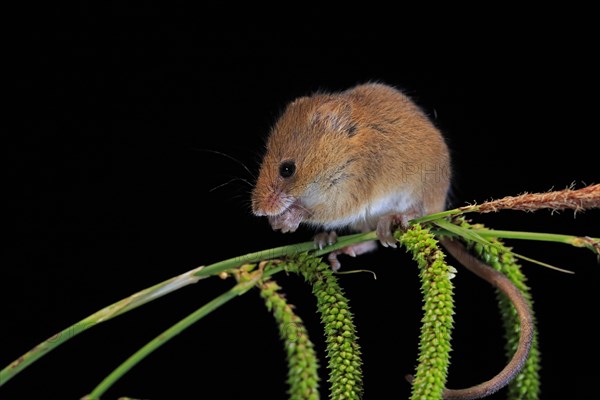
<point>567,199</point>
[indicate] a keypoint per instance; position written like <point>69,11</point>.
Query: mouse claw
<point>324,239</point>
<point>333,261</point>
<point>385,227</point>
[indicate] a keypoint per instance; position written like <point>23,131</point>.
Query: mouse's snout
<point>270,202</point>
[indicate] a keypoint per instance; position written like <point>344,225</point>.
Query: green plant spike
<point>526,385</point>
<point>303,376</point>
<point>343,350</point>
<point>438,307</point>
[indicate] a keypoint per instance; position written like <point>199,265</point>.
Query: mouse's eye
<point>287,168</point>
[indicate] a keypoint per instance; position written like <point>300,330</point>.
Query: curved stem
<point>167,335</point>
<point>105,314</point>
<point>161,289</point>
<point>45,347</point>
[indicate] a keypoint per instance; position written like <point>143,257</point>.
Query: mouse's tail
<point>501,282</point>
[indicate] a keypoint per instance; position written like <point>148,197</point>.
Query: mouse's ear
<point>336,115</point>
<point>299,100</point>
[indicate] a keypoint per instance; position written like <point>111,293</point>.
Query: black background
<point>111,188</point>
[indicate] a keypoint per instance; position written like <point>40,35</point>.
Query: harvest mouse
<point>367,159</point>
<point>359,159</point>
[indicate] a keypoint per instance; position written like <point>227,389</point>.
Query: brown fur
<point>350,149</point>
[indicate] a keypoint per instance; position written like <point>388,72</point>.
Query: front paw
<point>388,224</point>
<point>287,221</point>
<point>385,230</point>
<point>391,222</point>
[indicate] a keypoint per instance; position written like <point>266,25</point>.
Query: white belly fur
<point>395,203</point>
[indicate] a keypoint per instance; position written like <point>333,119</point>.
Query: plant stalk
<point>167,335</point>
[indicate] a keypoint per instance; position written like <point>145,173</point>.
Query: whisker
<point>228,182</point>
<point>229,157</point>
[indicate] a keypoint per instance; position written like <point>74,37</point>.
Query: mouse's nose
<point>273,203</point>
